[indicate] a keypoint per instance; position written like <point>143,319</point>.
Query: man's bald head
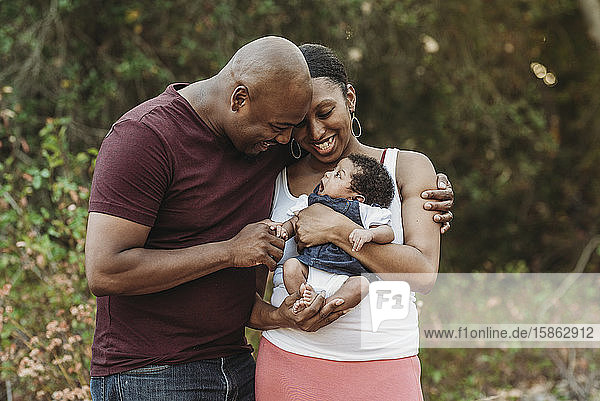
<point>256,100</point>
<point>268,89</point>
<point>268,64</point>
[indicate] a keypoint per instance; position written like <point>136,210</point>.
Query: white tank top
<point>343,340</point>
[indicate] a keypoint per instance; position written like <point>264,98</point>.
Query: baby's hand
<point>358,237</point>
<point>278,230</point>
<point>281,232</point>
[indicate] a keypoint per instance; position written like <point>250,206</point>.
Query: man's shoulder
<point>163,116</point>
<point>167,99</point>
<point>130,129</point>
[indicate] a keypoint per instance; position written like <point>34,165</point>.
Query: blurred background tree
<point>503,96</point>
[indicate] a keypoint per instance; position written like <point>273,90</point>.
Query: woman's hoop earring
<point>298,154</point>
<point>354,118</point>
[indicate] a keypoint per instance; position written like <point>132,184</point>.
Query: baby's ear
<point>360,198</point>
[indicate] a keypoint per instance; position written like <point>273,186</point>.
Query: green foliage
<point>505,374</point>
<point>452,79</point>
<point>46,311</point>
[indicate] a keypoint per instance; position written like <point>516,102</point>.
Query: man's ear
<point>239,98</point>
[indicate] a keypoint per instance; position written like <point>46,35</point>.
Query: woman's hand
<point>319,224</point>
<point>442,201</point>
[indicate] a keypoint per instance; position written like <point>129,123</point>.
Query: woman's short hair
<point>322,62</point>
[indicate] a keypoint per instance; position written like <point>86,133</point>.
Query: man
<point>172,247</point>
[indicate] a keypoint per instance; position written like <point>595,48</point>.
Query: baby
<point>359,187</point>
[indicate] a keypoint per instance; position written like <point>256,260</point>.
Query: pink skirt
<point>282,376</point>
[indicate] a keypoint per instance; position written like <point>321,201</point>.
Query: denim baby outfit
<point>330,257</point>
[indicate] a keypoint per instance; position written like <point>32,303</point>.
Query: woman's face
<point>327,129</point>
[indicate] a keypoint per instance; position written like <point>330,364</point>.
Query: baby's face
<point>336,183</point>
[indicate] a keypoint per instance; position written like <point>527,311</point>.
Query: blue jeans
<point>223,379</point>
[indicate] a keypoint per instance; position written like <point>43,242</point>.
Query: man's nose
<point>285,136</point>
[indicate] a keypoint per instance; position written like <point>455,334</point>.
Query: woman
<point>345,360</point>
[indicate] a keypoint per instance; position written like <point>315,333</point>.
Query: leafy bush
<point>46,311</point>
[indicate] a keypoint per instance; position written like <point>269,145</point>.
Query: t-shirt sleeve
<point>132,173</point>
<point>374,216</point>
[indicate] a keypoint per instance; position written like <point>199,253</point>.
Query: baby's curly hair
<point>372,180</point>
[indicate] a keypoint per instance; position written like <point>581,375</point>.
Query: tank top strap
<point>388,159</point>
<point>389,162</point>
<point>383,156</point>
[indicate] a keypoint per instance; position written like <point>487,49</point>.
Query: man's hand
<point>318,223</point>
<point>442,201</point>
<point>319,313</point>
<point>256,244</point>
<point>314,316</point>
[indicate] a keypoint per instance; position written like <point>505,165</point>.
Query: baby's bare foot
<point>298,306</point>
<point>308,296</point>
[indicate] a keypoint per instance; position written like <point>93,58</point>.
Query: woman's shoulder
<point>414,169</point>
<point>411,157</point>
<point>403,156</point>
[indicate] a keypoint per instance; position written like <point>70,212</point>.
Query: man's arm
<point>117,263</point>
<point>262,276</point>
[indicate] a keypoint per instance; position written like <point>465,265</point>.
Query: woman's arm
<point>419,256</point>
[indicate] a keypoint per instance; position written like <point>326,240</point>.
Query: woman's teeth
<point>325,145</point>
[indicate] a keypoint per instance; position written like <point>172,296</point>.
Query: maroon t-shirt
<point>162,167</point>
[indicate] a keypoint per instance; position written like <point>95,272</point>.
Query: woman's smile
<point>326,146</point>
